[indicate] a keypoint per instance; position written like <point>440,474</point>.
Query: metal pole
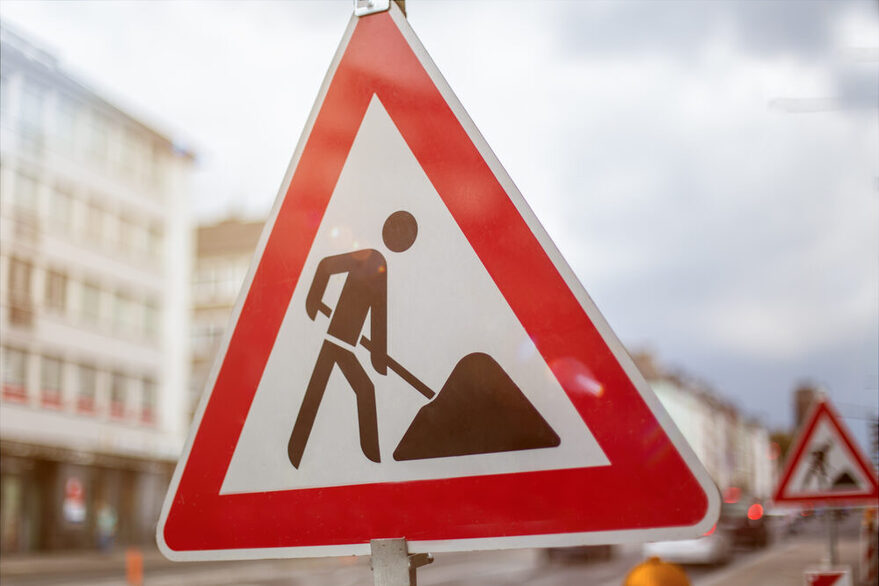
<point>391,563</point>
<point>831,537</point>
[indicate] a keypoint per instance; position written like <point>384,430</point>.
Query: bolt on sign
<point>412,357</point>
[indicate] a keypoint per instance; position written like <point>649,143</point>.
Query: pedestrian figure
<point>365,292</point>
<point>818,464</point>
<point>106,525</point>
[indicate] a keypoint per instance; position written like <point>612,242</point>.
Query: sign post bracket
<point>393,565</point>
<point>366,7</point>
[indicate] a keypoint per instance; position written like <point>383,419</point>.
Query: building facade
<point>95,254</point>
<point>735,450</point>
<point>224,251</point>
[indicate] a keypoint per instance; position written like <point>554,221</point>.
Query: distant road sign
<point>825,465</point>
<point>828,577</point>
<point>412,357</point>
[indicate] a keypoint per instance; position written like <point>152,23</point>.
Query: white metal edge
<point>619,352</point>
<point>437,546</point>
<point>236,312</point>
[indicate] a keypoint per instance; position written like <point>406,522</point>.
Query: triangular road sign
<point>825,465</point>
<point>412,357</point>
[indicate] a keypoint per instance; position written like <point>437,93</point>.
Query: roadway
<point>780,564</point>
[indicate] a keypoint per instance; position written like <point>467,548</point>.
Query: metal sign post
<point>391,563</point>
<point>832,557</point>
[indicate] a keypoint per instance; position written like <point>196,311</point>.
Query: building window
<point>118,395</point>
<point>5,95</point>
<point>61,210</point>
<point>51,370</point>
<point>154,241</point>
<point>127,235</point>
<point>151,319</point>
<point>26,192</point>
<point>204,283</point>
<point>65,124</point>
<point>141,239</point>
<point>31,109</point>
<point>91,302</point>
<point>20,300</point>
<point>31,117</point>
<point>20,280</point>
<point>130,152</point>
<point>56,291</point>
<point>204,338</point>
<point>99,137</point>
<point>94,222</point>
<point>157,168</point>
<point>123,313</point>
<point>148,401</point>
<point>112,231</point>
<point>15,375</point>
<point>87,389</point>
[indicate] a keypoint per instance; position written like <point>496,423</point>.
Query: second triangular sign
<point>825,465</point>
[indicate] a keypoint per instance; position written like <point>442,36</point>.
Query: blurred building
<point>736,450</point>
<point>223,254</point>
<point>873,431</point>
<point>804,396</point>
<point>94,265</point>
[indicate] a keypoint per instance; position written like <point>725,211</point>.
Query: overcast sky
<point>710,170</point>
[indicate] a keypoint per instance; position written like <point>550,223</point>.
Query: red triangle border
<point>648,485</point>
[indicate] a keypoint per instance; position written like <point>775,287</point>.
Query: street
<point>780,564</point>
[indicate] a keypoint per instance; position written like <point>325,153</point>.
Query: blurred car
<point>741,522</point>
<point>715,547</point>
<point>745,521</point>
<point>784,521</point>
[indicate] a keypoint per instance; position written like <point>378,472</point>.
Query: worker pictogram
<point>826,465</point>
<point>479,408</point>
<point>412,357</point>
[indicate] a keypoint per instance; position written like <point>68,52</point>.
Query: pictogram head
<point>399,231</point>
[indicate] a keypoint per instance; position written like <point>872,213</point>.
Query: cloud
<point>737,238</point>
<point>682,28</point>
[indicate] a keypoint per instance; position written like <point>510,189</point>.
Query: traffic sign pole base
<point>393,565</point>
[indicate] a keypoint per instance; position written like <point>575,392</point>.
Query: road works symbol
<point>399,255</point>
<point>478,392</point>
<point>826,466</point>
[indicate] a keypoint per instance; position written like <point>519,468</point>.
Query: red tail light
<point>710,531</point>
<point>755,512</point>
<point>732,494</point>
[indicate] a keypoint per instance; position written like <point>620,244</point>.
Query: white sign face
<point>434,319</point>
